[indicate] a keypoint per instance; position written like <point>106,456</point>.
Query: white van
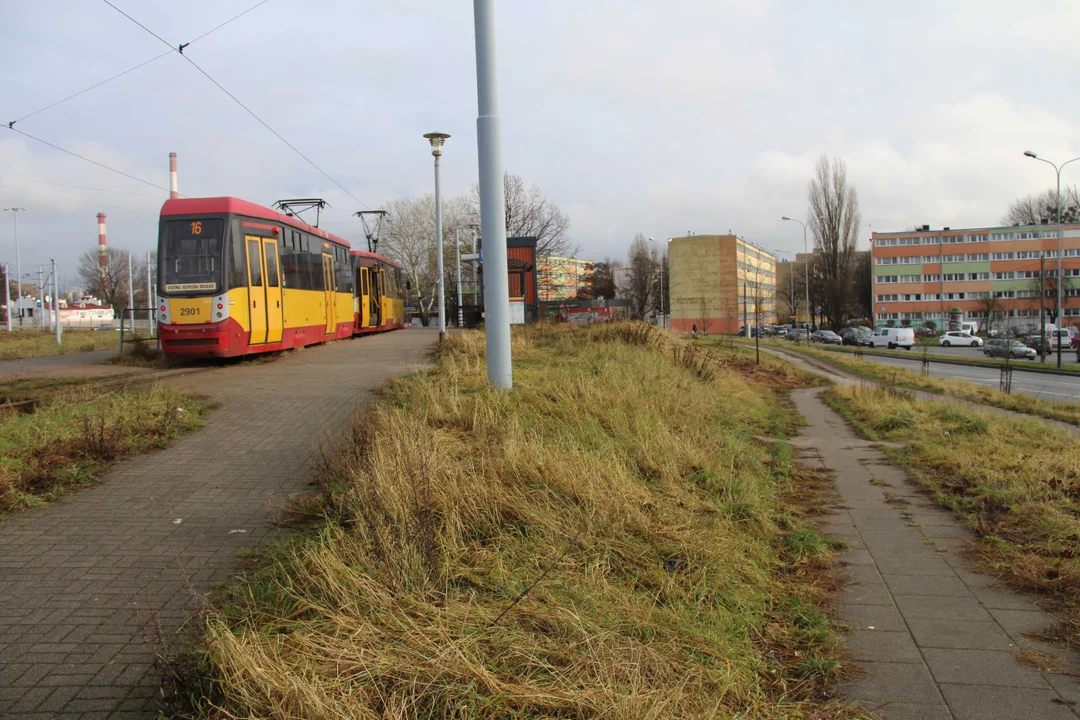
<point>971,328</point>
<point>893,338</point>
<point>1061,337</point>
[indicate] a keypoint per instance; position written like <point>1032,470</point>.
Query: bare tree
<point>703,316</point>
<point>990,306</point>
<point>109,284</point>
<point>529,214</point>
<point>1042,208</point>
<point>834,220</point>
<point>793,292</point>
<point>642,277</point>
<point>1046,289</point>
<point>601,281</point>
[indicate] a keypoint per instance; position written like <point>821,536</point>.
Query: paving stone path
<point>937,640</point>
<point>86,583</point>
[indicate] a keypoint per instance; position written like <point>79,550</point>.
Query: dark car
<point>856,335</point>
<point>1039,344</point>
<point>997,347</point>
<point>826,337</point>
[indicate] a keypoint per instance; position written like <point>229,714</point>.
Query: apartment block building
<point>717,281</point>
<point>560,278</point>
<point>1011,272</point>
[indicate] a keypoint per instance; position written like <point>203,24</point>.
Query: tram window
<point>236,262</point>
<point>253,263</point>
<point>271,265</point>
<point>291,267</point>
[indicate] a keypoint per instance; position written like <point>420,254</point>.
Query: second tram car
<point>236,278</point>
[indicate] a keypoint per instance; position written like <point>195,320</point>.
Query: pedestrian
<point>693,331</point>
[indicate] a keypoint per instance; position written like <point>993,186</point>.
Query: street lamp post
<point>806,263</point>
<point>663,322</point>
<point>1060,276</point>
<point>7,295</point>
<point>437,139</point>
<point>492,201</point>
<point>18,264</point>
<point>460,309</point>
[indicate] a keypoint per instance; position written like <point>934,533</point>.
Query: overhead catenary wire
<point>235,99</point>
<point>76,187</point>
<point>92,162</point>
<point>136,67</point>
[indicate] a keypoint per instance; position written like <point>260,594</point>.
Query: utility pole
<point>492,201</point>
<point>41,292</point>
<point>56,301</point>
<point>7,294</point>
<point>151,302</point>
<point>437,139</point>
<point>131,294</point>
<point>18,263</point>
<point>460,309</point>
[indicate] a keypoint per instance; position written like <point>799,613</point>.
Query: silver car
<point>999,347</point>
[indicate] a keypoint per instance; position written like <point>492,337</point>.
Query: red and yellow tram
<point>236,278</point>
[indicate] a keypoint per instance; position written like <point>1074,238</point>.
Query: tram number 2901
<point>189,311</point>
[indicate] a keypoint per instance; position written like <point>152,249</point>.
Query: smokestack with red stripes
<point>173,191</point>
<point>103,252</point>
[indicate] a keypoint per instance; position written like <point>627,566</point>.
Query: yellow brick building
<point>719,280</point>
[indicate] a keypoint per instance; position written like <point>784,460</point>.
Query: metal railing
<point>130,323</point>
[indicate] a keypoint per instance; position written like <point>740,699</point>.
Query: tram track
<point>122,382</point>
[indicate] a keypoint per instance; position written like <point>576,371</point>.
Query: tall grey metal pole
<point>41,292</point>
<point>806,266</point>
<point>7,294</point>
<point>131,294</point>
<point>439,251</point>
<point>18,263</point>
<point>56,301</point>
<point>150,301</point>
<point>1060,271</point>
<point>492,201</point>
<point>460,309</point>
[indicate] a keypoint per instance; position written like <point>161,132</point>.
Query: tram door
<point>264,290</point>
<point>329,288</point>
<point>376,298</point>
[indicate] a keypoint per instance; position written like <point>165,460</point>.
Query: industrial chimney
<point>173,190</point>
<point>103,251</point>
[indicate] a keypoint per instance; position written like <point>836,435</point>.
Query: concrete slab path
<point>937,640</point>
<point>87,583</point>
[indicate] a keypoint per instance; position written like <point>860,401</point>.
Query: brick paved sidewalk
<point>938,641</point>
<point>84,582</point>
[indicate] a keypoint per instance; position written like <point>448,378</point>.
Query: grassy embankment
<point>961,389</point>
<point>35,343</point>
<point>71,435</point>
<point>611,538</point>
<point>1012,481</point>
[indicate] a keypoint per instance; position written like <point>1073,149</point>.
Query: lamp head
<point>1030,154</point>
<point>436,139</point>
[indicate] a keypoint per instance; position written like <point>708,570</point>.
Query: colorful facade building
<point>560,278</point>
<point>1003,275</point>
<point>718,281</point>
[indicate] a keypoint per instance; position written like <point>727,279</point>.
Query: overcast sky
<point>632,115</point>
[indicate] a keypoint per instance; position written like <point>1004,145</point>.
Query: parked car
<point>1039,344</point>
<point>1060,336</point>
<point>956,337</point>
<point>856,335</point>
<point>925,332</point>
<point>798,335</point>
<point>827,337</point>
<point>892,337</point>
<point>1009,348</point>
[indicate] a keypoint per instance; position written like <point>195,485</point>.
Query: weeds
<point>68,438</point>
<point>37,343</point>
<point>607,539</point>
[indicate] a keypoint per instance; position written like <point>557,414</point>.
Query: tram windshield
<point>191,255</point>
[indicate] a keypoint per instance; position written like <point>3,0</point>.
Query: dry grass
<point>610,539</point>
<point>35,343</point>
<point>69,437</point>
<point>899,377</point>
<point>1013,481</point>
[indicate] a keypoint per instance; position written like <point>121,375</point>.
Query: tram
<point>236,278</point>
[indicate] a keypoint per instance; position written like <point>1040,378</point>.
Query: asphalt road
<point>1057,388</point>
